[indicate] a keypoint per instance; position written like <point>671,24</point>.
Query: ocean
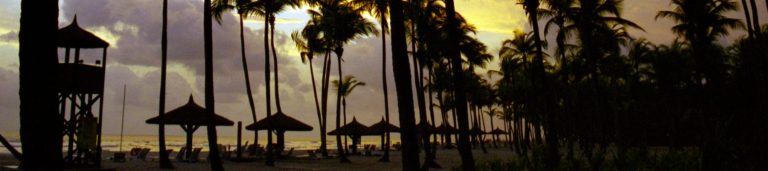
<point>175,142</point>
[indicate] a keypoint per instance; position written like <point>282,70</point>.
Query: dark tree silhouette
<point>244,8</point>
<point>40,122</point>
<point>214,157</point>
<point>165,163</point>
<point>410,155</point>
<point>468,162</point>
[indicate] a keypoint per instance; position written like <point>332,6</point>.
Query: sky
<point>133,30</point>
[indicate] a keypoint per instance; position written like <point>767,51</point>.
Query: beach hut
<point>190,117</point>
<point>280,123</point>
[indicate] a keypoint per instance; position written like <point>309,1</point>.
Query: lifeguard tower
<point>81,88</point>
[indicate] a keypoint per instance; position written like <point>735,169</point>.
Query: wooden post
<point>239,139</point>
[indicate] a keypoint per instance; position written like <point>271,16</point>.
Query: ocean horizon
<point>176,142</point>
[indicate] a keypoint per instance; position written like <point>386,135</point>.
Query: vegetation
<point>599,99</point>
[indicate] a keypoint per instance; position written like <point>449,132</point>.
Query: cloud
<point>9,37</point>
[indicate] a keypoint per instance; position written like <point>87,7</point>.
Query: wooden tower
<point>81,94</point>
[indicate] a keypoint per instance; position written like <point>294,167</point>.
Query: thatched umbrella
<point>279,122</point>
<point>430,129</point>
<point>476,131</point>
<point>381,128</point>
<point>355,130</point>
<point>190,117</point>
<point>446,129</point>
<point>495,133</point>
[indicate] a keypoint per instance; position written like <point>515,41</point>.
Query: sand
<point>448,159</point>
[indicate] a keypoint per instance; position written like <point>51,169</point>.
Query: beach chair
<point>119,157</point>
<point>135,152</point>
<point>143,154</point>
<point>181,154</point>
<point>286,154</point>
<point>195,156</point>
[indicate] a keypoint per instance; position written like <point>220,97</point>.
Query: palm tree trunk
<point>165,163</point>
<point>410,153</point>
<point>431,112</point>
<point>215,159</point>
<point>270,158</point>
<point>324,98</point>
<point>247,80</point>
<point>40,124</point>
<point>385,157</point>
<point>553,156</point>
<point>274,58</point>
<point>326,81</point>
<point>317,106</point>
<point>342,153</point>
<point>468,162</point>
<point>750,30</point>
<point>756,19</point>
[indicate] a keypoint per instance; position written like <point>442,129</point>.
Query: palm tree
<point>40,124</point>
<point>271,8</point>
<point>748,18</point>
<point>214,156</point>
<point>701,22</point>
<point>400,65</point>
<point>345,87</point>
<point>244,9</point>
<point>165,163</point>
<point>380,10</point>
<point>468,163</point>
<point>340,23</point>
<point>553,157</point>
<point>308,44</point>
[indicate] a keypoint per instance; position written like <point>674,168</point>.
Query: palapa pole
<point>122,120</point>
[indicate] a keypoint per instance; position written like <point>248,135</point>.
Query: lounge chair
<point>195,156</point>
<point>119,157</point>
<point>143,154</point>
<point>182,152</point>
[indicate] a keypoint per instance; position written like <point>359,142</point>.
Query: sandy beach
<point>446,158</point>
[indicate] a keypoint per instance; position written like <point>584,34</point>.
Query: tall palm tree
<point>165,163</point>
<point>214,156</point>
<point>308,44</point>
<point>748,18</point>
<point>400,65</point>
<point>271,8</point>
<point>380,10</point>
<point>468,163</point>
<point>40,124</point>
<point>701,22</point>
<point>345,87</point>
<point>244,9</point>
<point>340,23</point>
<point>553,157</point>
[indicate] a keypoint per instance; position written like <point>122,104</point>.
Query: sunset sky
<point>132,27</point>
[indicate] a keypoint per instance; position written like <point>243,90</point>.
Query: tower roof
<point>72,36</point>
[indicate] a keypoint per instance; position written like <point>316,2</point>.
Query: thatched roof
<point>446,129</point>
<point>498,131</point>
<point>476,131</point>
<point>279,121</point>
<point>72,36</point>
<point>430,128</point>
<point>189,114</point>
<point>382,127</point>
<point>352,128</point>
